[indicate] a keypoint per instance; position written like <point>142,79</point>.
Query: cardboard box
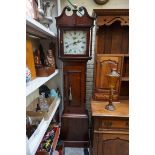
<point>31,109</point>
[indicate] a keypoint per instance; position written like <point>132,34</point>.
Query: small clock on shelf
<point>74,34</point>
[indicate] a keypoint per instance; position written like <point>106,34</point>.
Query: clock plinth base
<point>74,131</point>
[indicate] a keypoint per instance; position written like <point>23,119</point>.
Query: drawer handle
<point>108,124</point>
<point>127,123</point>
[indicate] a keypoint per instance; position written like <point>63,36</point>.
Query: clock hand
<point>74,43</point>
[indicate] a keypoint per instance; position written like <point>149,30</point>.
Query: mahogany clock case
<point>75,23</point>
<point>74,76</point>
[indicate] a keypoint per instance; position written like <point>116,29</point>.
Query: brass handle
<point>70,93</point>
<point>108,124</point>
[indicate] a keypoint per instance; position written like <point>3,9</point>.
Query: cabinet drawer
<point>111,123</point>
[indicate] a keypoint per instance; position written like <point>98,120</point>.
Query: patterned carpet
<point>75,151</point>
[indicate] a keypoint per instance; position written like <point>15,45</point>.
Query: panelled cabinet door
<point>103,66</point>
<point>113,144</point>
<point>74,88</point>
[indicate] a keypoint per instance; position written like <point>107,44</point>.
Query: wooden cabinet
<point>110,134</point>
<point>112,51</point>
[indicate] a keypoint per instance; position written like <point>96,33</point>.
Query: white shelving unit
<point>37,136</point>
<point>37,82</point>
<point>37,28</point>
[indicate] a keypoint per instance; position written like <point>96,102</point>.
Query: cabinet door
<point>113,144</point>
<point>74,87</point>
<point>103,66</point>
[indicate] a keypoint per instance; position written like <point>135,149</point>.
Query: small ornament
<point>28,74</point>
<point>101,2</point>
<point>49,61</point>
<point>37,58</point>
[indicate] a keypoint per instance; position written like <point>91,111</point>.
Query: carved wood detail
<point>108,20</point>
<point>120,146</point>
<point>109,16</point>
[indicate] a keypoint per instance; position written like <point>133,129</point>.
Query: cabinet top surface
<point>98,109</point>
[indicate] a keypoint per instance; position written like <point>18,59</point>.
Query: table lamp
<point>112,80</point>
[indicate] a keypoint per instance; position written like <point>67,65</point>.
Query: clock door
<point>74,87</point>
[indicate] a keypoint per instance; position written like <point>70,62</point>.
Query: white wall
<point>90,4</point>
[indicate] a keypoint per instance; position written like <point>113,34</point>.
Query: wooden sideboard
<point>110,134</point>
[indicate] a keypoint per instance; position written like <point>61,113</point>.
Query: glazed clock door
<point>74,88</point>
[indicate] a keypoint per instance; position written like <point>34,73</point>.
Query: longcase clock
<point>74,49</point>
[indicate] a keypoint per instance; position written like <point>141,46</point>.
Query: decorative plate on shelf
<point>100,2</point>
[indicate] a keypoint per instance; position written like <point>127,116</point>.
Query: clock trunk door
<point>74,87</point>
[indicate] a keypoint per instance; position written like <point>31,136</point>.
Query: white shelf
<point>37,136</point>
<point>37,82</point>
<point>38,28</point>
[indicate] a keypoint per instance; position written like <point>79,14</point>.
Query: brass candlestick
<point>112,79</point>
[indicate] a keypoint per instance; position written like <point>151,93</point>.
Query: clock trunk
<point>74,79</point>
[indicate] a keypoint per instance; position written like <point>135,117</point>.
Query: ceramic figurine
<point>37,58</point>
<point>49,61</point>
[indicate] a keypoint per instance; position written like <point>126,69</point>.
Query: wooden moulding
<point>109,16</point>
<point>31,109</point>
<point>44,71</point>
<point>109,20</point>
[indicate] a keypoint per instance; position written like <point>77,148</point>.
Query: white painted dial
<point>74,42</point>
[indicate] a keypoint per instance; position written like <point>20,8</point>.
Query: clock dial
<point>74,42</point>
